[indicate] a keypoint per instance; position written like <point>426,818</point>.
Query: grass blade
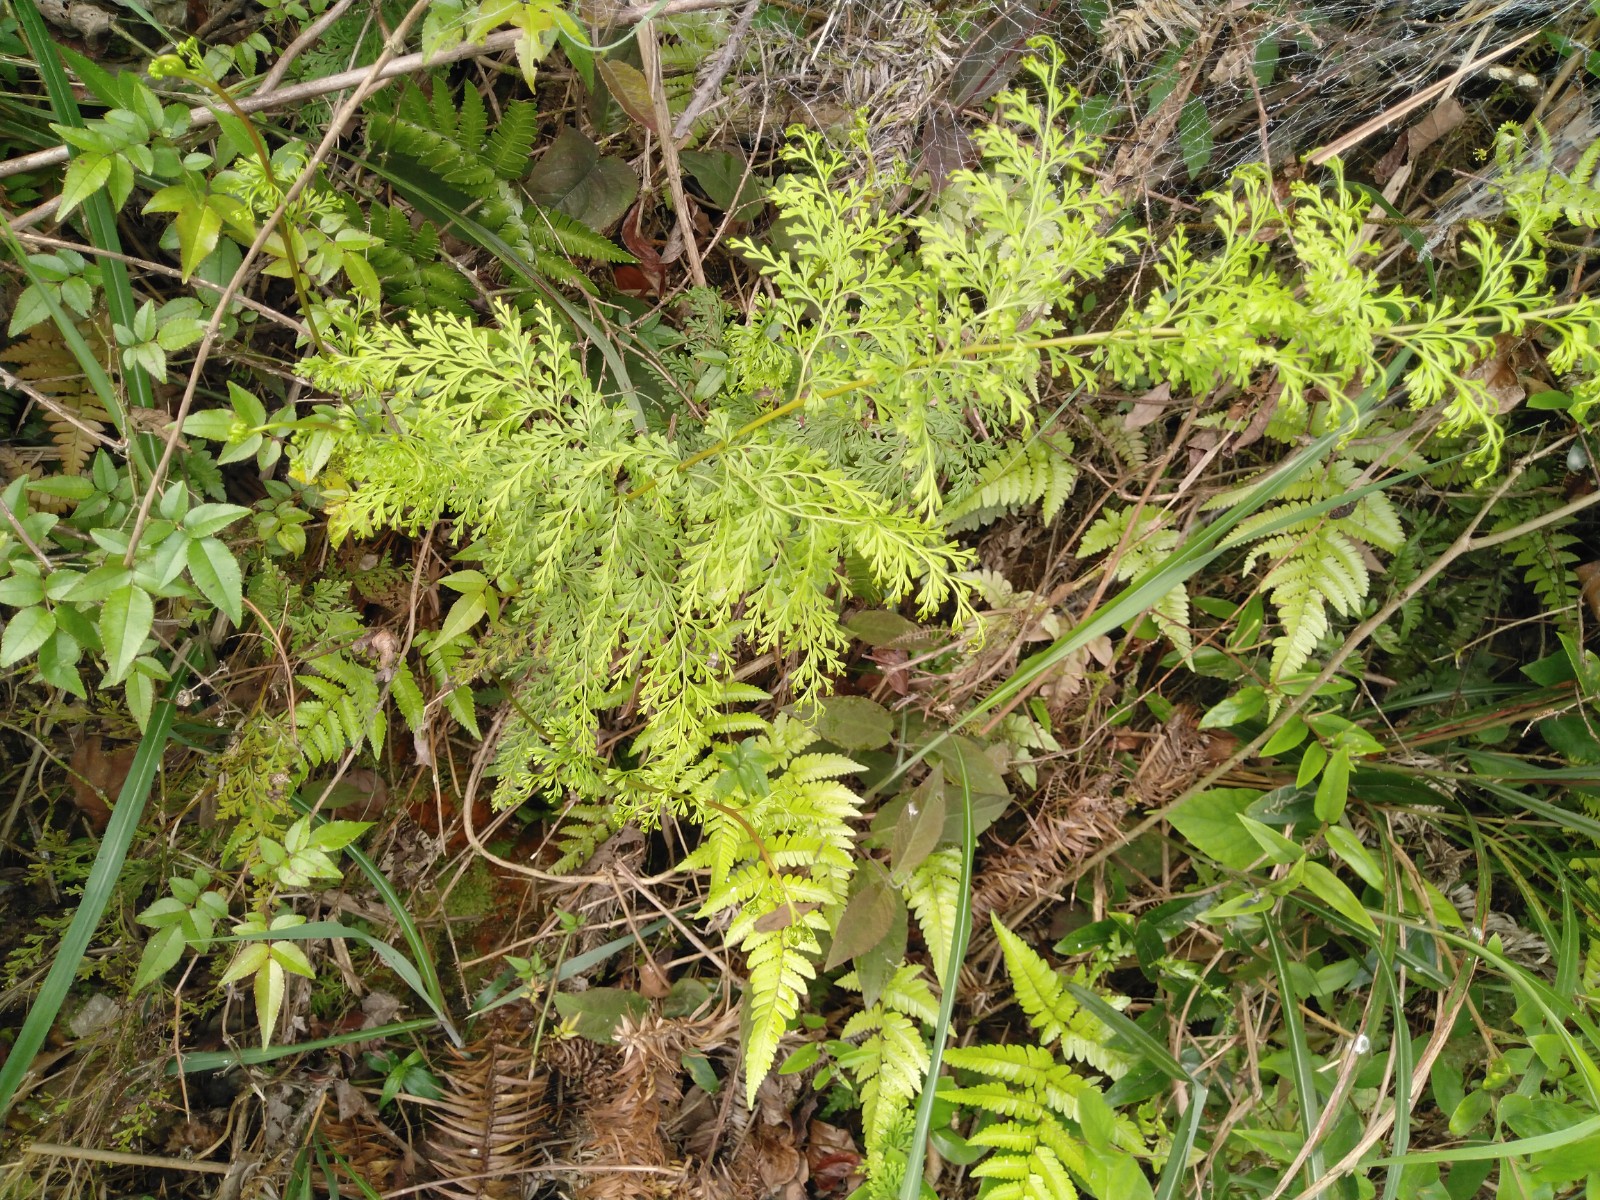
<point>1183,1138</point>
<point>101,220</point>
<point>1537,1144</point>
<point>911,1186</point>
<point>97,890</point>
<point>219,1060</point>
<point>1305,1075</point>
<point>421,955</point>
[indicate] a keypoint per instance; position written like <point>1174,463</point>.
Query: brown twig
<point>372,77</point>
<point>301,44</point>
<point>123,1159</point>
<point>715,74</point>
<point>651,58</point>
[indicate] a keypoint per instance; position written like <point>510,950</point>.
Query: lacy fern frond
<point>1038,471</point>
<point>1042,993</point>
<point>503,430</point>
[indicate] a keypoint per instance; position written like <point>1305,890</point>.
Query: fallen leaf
<point>946,147</point>
<point>573,177</point>
<point>1149,408</point>
<point>1589,585</point>
<point>631,89</point>
<point>643,249</point>
<point>97,776</point>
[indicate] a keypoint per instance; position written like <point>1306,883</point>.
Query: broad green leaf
<point>198,227</point>
<point>1210,821</point>
<point>1333,790</point>
<point>206,519</point>
<point>216,573</point>
<point>140,691</point>
<point>25,632</point>
<point>864,923</point>
<point>854,722</point>
<point>161,954</point>
<point>269,997</point>
<point>1194,135</point>
<point>1277,847</point>
<point>19,591</point>
<point>464,614</point>
<point>1241,706</point>
<point>250,959</point>
<point>1349,848</point>
<point>125,622</point>
<point>86,175</point>
<point>1332,891</point>
<point>247,406</point>
<point>214,423</point>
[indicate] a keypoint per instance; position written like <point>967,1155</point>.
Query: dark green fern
<point>476,169</point>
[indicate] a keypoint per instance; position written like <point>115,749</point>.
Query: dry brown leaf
<point>1589,585</point>
<point>97,776</point>
<point>1149,408</point>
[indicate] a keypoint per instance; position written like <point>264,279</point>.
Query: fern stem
<point>976,350</point>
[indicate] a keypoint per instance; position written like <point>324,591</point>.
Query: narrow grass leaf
<point>97,890</point>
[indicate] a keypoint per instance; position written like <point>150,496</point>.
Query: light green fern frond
<point>1141,548</point>
<point>931,894</point>
<point>1038,471</point>
<point>1316,563</point>
<point>778,847</point>
<point>892,1059</point>
<point>1042,993</point>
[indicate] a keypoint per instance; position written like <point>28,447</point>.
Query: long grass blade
<point>101,220</point>
<point>911,1186</point>
<point>421,954</point>
<point>1304,1073</point>
<point>97,890</point>
<point>220,1060</point>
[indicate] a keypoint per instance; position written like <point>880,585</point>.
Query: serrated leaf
<point>86,175</point>
<point>198,226</point>
<point>125,622</point>
<point>216,424</point>
<point>269,997</point>
<point>216,573</point>
<point>206,519</point>
<point>161,954</point>
<point>25,632</point>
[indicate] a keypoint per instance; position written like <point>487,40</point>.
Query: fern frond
<point>892,1060</point>
<point>1036,471</point>
<point>931,894</point>
<point>507,150</point>
<point>1050,1008</point>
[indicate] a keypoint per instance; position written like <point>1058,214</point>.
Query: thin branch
<point>8,380</point>
<point>392,68</point>
<point>22,535</point>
